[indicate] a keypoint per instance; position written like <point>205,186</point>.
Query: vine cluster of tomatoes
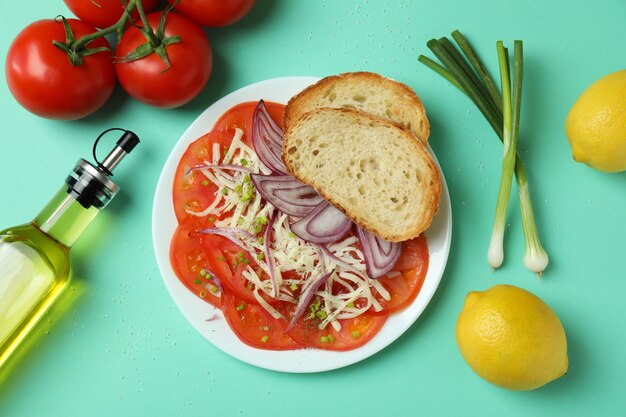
<point>66,69</point>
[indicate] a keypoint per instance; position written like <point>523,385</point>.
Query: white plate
<point>217,331</point>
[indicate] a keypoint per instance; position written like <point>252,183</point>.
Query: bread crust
<point>432,190</point>
<point>301,102</point>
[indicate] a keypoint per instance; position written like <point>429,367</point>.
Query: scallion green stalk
<point>495,254</point>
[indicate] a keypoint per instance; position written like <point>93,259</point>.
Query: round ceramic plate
<point>217,331</point>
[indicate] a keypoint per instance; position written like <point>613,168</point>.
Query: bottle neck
<point>65,219</point>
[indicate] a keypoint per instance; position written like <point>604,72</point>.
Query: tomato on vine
<point>213,13</point>
<point>103,13</point>
<point>52,76</point>
<point>171,68</point>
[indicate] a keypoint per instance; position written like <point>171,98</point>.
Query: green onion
<point>264,339</point>
<point>321,315</point>
<point>330,337</point>
<point>244,162</point>
<point>475,82</point>
<point>293,287</point>
<point>237,188</point>
<point>240,307</point>
<point>350,304</point>
<point>213,289</point>
<point>260,256</point>
<point>495,254</point>
<point>197,282</point>
<point>324,339</point>
<point>205,183</point>
<point>211,219</point>
<point>225,191</point>
<point>221,259</point>
<point>355,334</point>
<point>203,272</point>
<point>265,328</point>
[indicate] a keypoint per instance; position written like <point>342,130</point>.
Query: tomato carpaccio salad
<point>236,251</point>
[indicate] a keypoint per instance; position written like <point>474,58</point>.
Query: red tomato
<point>413,265</point>
<point>255,326</point>
<point>214,13</point>
<point>354,332</point>
<point>103,13</point>
<point>189,260</point>
<point>42,79</point>
<point>190,191</point>
<point>149,80</point>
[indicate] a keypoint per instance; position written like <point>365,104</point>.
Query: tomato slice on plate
<point>413,265</point>
<point>191,191</point>
<point>188,260</point>
<point>255,326</point>
<point>354,332</point>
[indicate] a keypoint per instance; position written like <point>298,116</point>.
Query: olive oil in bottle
<point>35,257</point>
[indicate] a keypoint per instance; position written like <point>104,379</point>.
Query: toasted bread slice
<point>365,91</point>
<point>379,174</point>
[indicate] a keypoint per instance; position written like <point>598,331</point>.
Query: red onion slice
<point>215,279</point>
<point>325,224</point>
<point>287,194</point>
<point>380,255</point>
<point>233,234</point>
<point>306,297</point>
<point>267,139</point>
<point>267,252</point>
<point>219,166</point>
<point>338,261</point>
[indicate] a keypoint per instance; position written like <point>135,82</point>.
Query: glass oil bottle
<point>34,257</point>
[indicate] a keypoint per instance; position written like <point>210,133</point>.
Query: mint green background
<point>123,348</point>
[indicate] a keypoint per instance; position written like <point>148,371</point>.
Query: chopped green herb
<point>265,328</point>
<point>249,286</point>
<point>261,220</point>
<point>293,287</point>
<point>205,183</point>
<point>213,289</point>
<point>355,334</point>
<point>321,315</point>
<point>203,272</point>
<point>221,259</point>
<point>260,256</point>
<point>331,339</point>
<point>237,189</point>
<point>197,282</point>
<point>211,219</point>
<point>312,315</point>
<point>246,261</point>
<point>244,162</point>
<point>350,304</point>
<point>324,339</point>
<point>292,234</point>
<point>240,307</point>
<point>246,179</point>
<point>264,339</point>
<point>225,191</point>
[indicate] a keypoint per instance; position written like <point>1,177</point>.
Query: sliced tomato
<point>191,190</point>
<point>413,265</point>
<point>354,332</point>
<point>255,326</point>
<point>188,260</point>
<point>221,254</point>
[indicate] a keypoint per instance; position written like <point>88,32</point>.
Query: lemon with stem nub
<point>596,124</point>
<point>511,338</point>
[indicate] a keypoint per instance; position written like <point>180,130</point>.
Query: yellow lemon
<point>511,338</point>
<point>596,124</point>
